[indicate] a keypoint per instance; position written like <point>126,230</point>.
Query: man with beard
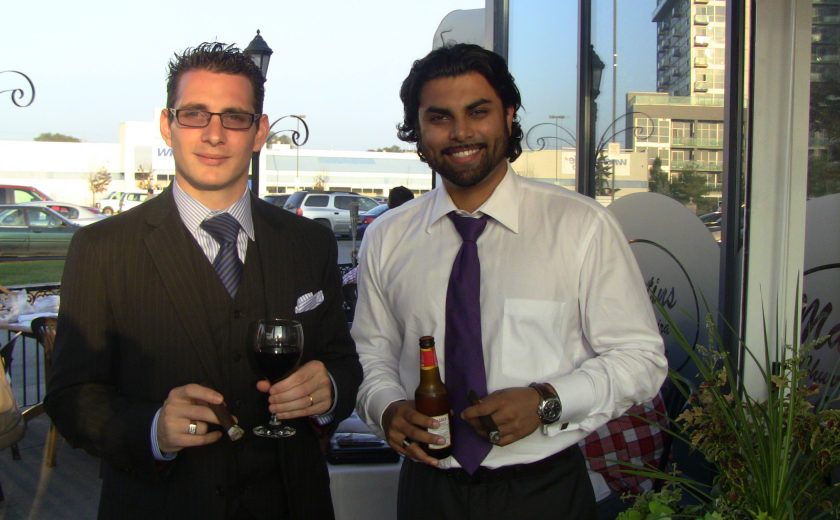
<point>532,293</point>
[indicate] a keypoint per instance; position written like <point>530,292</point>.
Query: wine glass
<point>276,345</point>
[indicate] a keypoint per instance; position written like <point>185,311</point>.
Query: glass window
<point>39,217</point>
<point>317,201</point>
<point>542,57</point>
<point>343,201</point>
<point>12,217</point>
<point>24,196</point>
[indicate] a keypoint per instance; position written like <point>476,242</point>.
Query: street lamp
<point>556,143</point>
<point>260,52</point>
<point>596,69</point>
<point>17,93</point>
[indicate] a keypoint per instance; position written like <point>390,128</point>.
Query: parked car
<point>329,208</point>
<point>118,201</point>
<point>278,199</point>
<point>12,194</point>
<point>33,231</point>
<point>367,217</point>
<point>81,215</point>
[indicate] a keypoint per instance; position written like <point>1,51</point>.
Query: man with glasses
<point>156,307</point>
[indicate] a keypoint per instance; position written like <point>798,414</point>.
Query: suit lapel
<point>169,245</point>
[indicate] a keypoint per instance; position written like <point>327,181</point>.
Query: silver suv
<point>329,208</point>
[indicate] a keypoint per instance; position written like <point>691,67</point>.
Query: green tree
<point>393,149</point>
<point>280,139</point>
<point>603,174</point>
<point>658,179</point>
<point>689,187</point>
<point>823,177</point>
<point>57,138</point>
<point>98,182</point>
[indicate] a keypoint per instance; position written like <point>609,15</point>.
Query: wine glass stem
<point>274,421</point>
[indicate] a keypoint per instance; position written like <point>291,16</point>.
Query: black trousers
<point>556,487</point>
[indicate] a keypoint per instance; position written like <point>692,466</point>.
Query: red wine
<point>277,363</point>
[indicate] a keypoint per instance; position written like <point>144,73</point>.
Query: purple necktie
<point>464,357</point>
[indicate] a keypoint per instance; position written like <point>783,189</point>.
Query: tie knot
<point>224,228</point>
<point>469,228</point>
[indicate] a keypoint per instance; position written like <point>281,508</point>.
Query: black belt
<point>485,475</point>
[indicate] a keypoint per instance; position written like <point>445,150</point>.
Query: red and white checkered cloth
<point>635,437</point>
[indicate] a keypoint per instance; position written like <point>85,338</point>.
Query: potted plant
<point>773,455</point>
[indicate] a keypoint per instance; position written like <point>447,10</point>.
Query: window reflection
<point>824,147</point>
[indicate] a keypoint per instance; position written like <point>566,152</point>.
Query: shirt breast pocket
<point>532,336</point>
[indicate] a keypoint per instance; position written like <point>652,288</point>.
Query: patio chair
<point>43,328</point>
<point>12,427</point>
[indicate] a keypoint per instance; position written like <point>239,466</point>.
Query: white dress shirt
<point>562,301</point>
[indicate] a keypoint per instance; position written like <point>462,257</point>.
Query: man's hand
<point>401,422</point>
<point>185,405</point>
<point>308,391</point>
<point>514,411</point>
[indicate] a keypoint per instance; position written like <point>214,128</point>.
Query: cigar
<point>486,421</point>
<point>233,430</point>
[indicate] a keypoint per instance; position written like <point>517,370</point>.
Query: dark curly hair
<point>456,60</point>
<point>215,57</point>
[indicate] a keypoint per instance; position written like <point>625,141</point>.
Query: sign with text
<point>679,261</point>
<point>821,289</point>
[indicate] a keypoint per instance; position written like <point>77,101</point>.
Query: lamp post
<point>556,143</point>
<point>18,93</point>
<point>596,71</point>
<point>259,51</point>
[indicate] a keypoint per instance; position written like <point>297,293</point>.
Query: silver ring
<point>406,443</point>
<point>193,428</point>
<point>495,437</point>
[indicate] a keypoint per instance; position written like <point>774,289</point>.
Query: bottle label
<point>428,359</point>
<point>442,430</point>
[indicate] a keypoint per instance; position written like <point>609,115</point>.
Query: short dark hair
<point>215,57</point>
<point>457,60</point>
<point>398,196</point>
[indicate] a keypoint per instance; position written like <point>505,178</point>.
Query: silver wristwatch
<point>550,407</point>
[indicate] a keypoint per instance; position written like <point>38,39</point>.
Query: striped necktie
<point>224,228</point>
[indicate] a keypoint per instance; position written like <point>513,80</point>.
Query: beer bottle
<point>431,399</point>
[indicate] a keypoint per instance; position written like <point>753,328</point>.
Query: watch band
<point>545,391</point>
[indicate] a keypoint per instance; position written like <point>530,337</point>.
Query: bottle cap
<point>427,342</point>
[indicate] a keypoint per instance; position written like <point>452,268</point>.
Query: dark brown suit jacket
<point>135,321</point>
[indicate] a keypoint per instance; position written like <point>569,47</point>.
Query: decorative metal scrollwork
<point>541,141</point>
<point>18,94</point>
<point>295,133</point>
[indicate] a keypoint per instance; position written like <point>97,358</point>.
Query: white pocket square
<point>309,301</point>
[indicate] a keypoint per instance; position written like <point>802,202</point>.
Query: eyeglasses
<point>193,118</point>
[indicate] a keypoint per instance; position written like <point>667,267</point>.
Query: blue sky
<point>97,63</point>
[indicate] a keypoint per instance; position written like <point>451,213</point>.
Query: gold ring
<point>192,429</point>
<point>311,401</point>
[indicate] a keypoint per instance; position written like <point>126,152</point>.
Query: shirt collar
<point>193,213</point>
<point>502,205</point>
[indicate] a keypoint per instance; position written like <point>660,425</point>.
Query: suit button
<point>237,314</point>
<point>220,491</point>
<point>237,357</point>
<point>238,403</point>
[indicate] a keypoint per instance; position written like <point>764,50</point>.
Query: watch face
<point>551,410</point>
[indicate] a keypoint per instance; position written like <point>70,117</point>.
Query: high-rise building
<point>682,123</point>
